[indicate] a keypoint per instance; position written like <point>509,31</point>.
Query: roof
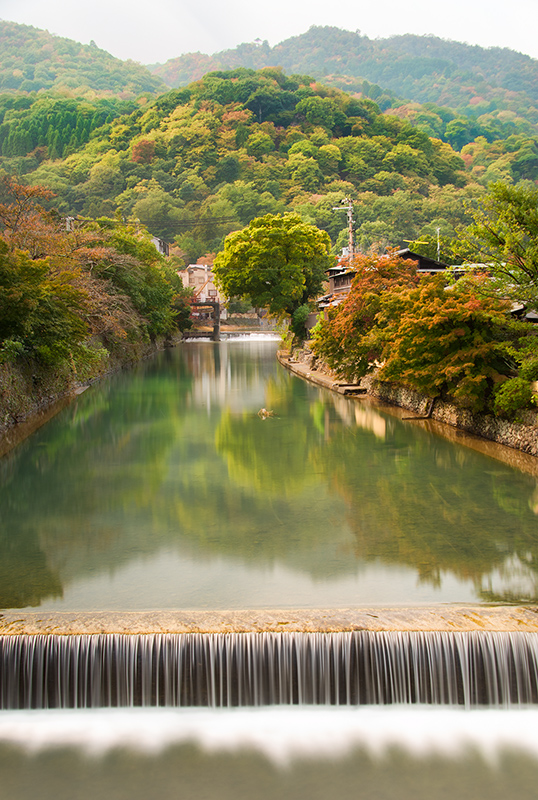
<point>330,300</point>
<point>425,264</point>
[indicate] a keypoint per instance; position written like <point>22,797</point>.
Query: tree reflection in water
<point>173,457</point>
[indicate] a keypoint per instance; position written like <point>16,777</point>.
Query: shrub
<point>529,370</point>
<point>298,321</point>
<point>10,350</point>
<point>512,396</point>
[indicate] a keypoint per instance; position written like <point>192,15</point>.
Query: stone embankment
<point>521,435</point>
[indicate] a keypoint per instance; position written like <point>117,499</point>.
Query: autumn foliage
<point>446,341</point>
<point>71,292</point>
<point>456,342</point>
<point>348,339</point>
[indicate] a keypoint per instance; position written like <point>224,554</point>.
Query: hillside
<point>452,91</point>
<point>32,60</point>
<point>488,84</point>
<point>202,161</point>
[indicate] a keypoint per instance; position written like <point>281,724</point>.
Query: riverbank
<point>444,418</point>
<point>30,395</point>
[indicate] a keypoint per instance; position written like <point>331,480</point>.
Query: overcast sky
<point>155,31</point>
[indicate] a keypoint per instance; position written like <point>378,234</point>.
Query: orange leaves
<point>473,304</point>
<point>18,202</point>
<point>374,276</point>
<point>236,115</point>
<point>350,340</point>
<point>441,340</point>
<point>447,342</point>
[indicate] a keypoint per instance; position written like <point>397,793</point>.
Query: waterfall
<point>259,669</point>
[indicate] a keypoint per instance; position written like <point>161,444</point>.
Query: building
<point>201,279</point>
<point>424,264</point>
<point>162,246</point>
<point>341,276</point>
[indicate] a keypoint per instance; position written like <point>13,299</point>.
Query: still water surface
<point>162,488</point>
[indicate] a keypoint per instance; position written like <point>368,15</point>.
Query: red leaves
<point>143,151</point>
<point>437,339</point>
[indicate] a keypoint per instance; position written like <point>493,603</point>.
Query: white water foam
<point>282,735</point>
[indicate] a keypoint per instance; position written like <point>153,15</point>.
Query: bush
<point>512,396</point>
<point>10,350</point>
<point>298,321</point>
<point>529,370</point>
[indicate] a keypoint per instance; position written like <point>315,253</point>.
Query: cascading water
<point>265,669</point>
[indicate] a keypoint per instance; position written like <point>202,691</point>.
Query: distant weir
<point>263,669</point>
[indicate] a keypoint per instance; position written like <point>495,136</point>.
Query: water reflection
<point>437,508</point>
<point>163,488</point>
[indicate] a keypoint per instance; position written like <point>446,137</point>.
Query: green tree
<point>259,144</point>
<point>44,313</point>
<point>505,236</point>
<point>277,262</point>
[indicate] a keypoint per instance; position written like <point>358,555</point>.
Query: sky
<point>152,32</point>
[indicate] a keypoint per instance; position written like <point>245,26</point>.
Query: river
<point>164,488</point>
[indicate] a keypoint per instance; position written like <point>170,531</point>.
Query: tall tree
<point>348,339</point>
<point>505,236</point>
<point>277,262</point>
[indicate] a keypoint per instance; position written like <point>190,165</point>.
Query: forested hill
<point>495,89</point>
<point>33,59</point>
<point>205,160</point>
<point>423,69</point>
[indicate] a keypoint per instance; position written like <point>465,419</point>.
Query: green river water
<point>162,488</point>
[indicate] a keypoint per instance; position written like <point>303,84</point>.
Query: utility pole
<point>349,209</point>
<point>438,245</point>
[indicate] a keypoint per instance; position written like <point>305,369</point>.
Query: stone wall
<point>26,389</point>
<point>522,435</point>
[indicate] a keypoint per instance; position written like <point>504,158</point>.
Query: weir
<point>464,668</point>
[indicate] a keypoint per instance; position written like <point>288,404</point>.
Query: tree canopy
<point>481,90</point>
<point>505,236</point>
<point>34,59</point>
<point>200,162</point>
<point>68,298</point>
<point>278,262</point>
<point>458,343</point>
